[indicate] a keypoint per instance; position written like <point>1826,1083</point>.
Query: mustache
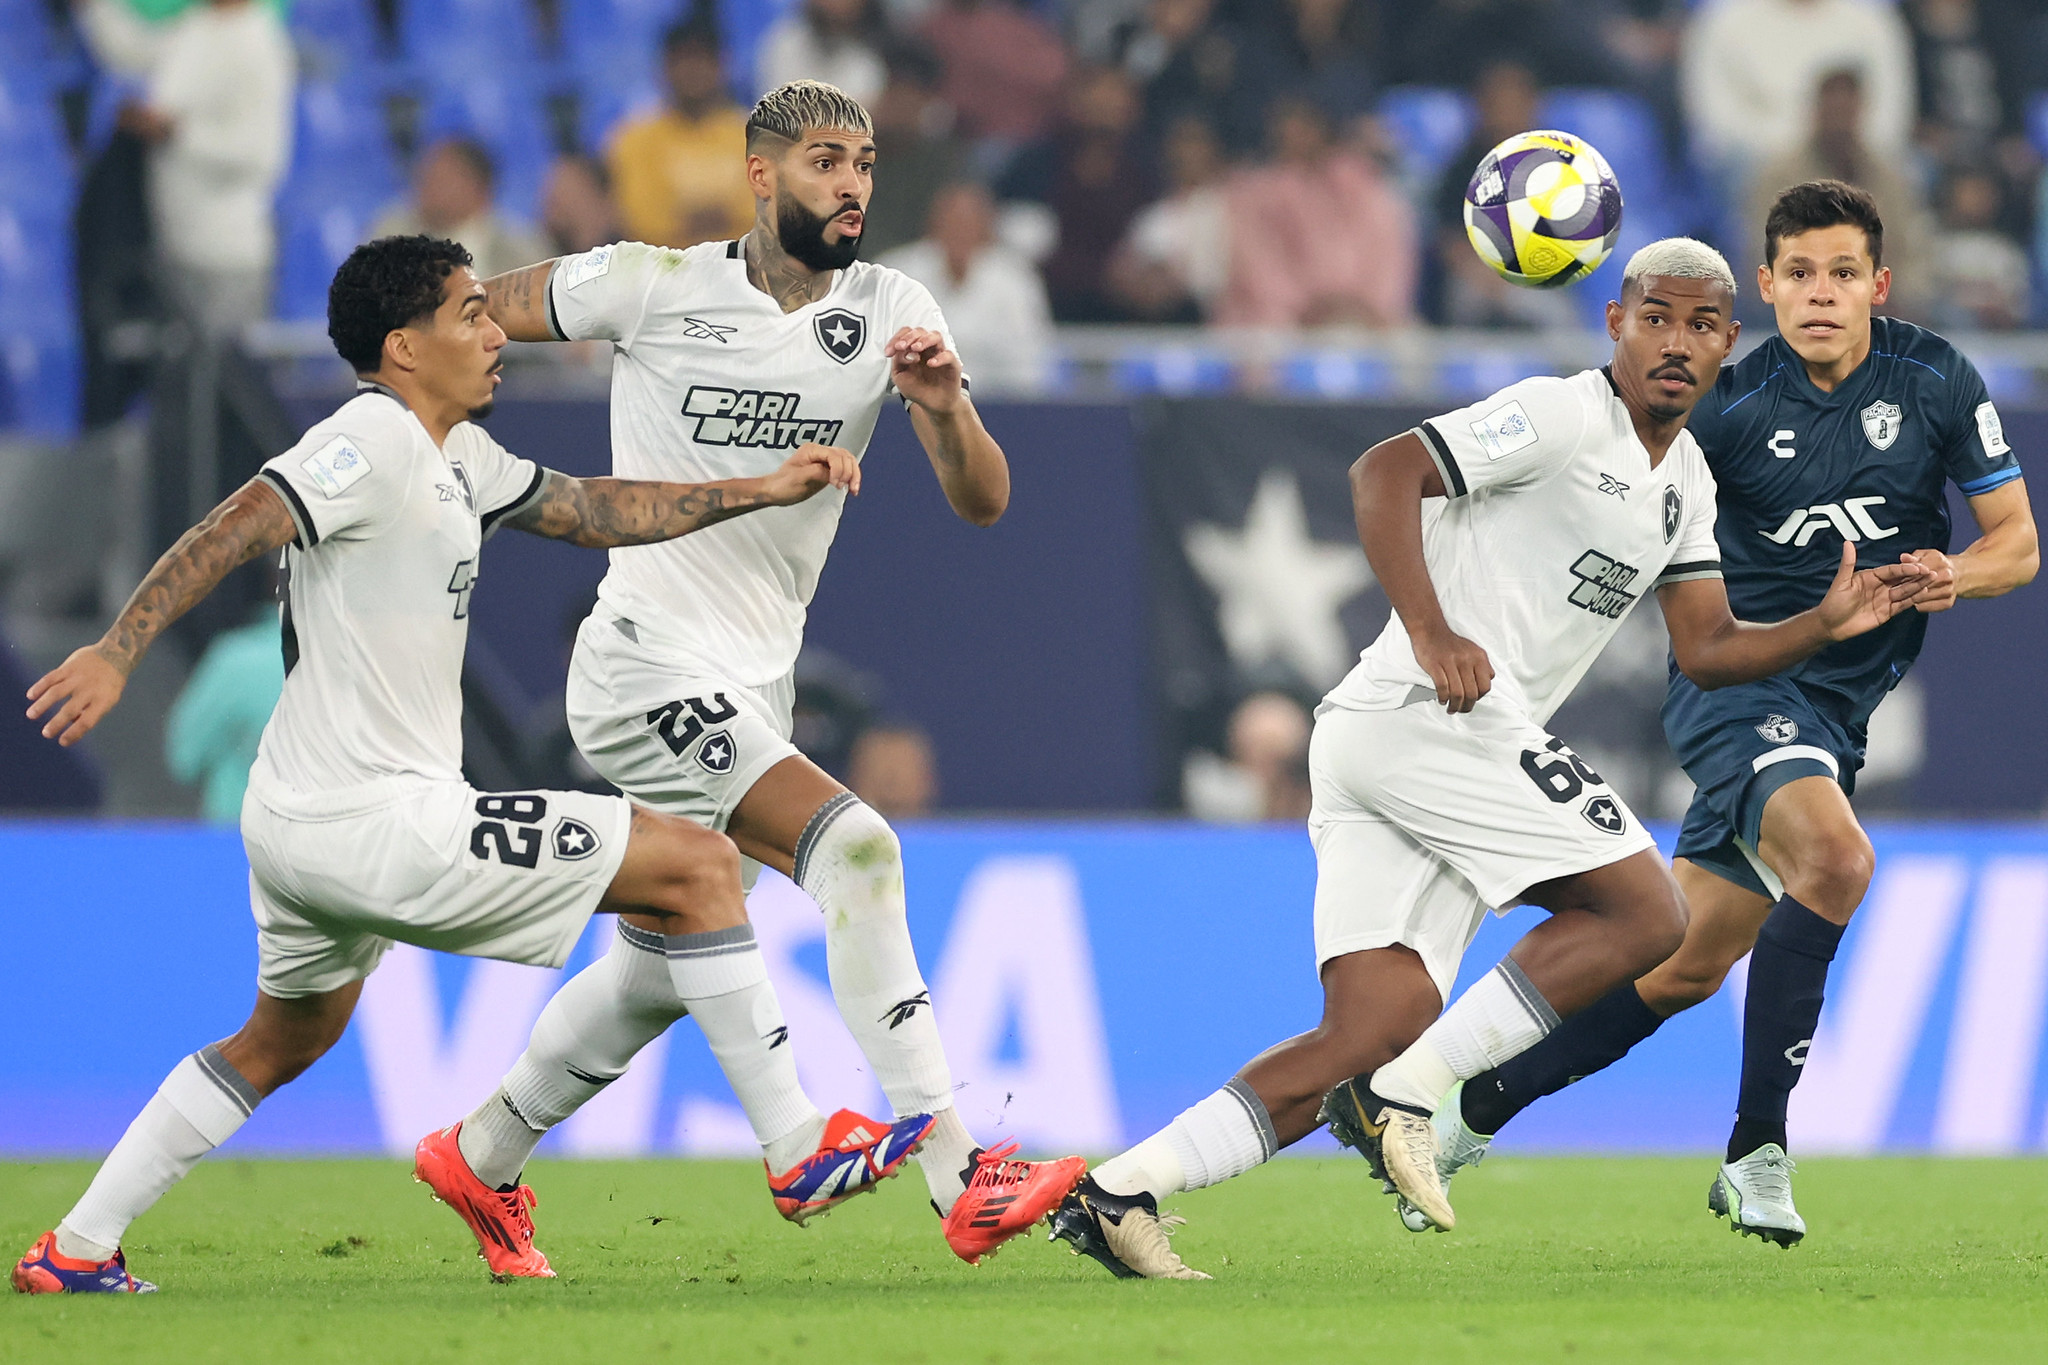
<point>1675,369</point>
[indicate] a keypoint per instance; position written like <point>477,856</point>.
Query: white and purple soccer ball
<point>1543,209</point>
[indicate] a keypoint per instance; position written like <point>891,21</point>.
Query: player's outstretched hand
<point>810,469</point>
<point>1857,602</point>
<point>1938,592</point>
<point>924,369</point>
<point>1459,668</point>
<point>87,683</point>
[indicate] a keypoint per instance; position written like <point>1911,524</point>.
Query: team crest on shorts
<point>574,840</point>
<point>1604,814</point>
<point>1778,729</point>
<point>1674,512</point>
<point>716,753</point>
<point>1881,424</point>
<point>840,333</point>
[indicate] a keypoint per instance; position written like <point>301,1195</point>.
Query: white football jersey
<point>1554,529</point>
<point>376,594</point>
<point>712,380</point>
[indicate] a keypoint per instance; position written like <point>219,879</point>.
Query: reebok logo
<point>900,1012</point>
<point>754,417</point>
<point>777,1038</point>
<point>1852,517</point>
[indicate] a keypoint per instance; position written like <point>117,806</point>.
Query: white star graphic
<point>840,333</point>
<point>1278,589</point>
<point>573,840</point>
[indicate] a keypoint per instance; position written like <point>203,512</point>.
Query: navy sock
<point>1788,977</point>
<point>1592,1040</point>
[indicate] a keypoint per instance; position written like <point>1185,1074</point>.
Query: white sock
<point>1502,1016</point>
<point>1224,1135</point>
<point>724,982</point>
<point>197,1108</point>
<point>849,862</point>
<point>582,1042</point>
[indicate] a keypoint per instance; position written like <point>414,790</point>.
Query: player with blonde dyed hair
<point>1512,537</point>
<point>726,355</point>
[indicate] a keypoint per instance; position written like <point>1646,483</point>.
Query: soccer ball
<point>1543,209</point>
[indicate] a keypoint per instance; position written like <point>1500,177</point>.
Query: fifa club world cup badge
<point>840,333</point>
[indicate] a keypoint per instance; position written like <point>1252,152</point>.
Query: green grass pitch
<point>1555,1259</point>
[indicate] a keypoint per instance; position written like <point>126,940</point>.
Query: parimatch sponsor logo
<point>754,417</point>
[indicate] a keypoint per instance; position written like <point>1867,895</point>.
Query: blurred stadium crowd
<point>1241,163</point>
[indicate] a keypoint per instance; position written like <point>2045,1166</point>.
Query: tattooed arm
<point>601,513</point>
<point>518,302</point>
<point>253,521</point>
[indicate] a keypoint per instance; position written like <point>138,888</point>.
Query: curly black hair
<point>390,283</point>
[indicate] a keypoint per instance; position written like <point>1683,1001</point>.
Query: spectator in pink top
<point>1003,68</point>
<point>1317,236</point>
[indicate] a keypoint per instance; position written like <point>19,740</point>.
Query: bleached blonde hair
<point>790,108</point>
<point>1679,258</point>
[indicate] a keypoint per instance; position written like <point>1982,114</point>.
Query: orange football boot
<point>500,1219</point>
<point>1005,1197</point>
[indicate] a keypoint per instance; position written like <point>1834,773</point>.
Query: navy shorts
<point>1739,745</point>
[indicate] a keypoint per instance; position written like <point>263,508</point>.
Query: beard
<point>483,412</point>
<point>802,234</point>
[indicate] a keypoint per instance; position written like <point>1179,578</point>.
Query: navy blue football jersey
<point>1799,471</point>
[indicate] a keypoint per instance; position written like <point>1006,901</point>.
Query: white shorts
<point>674,737</point>
<point>509,875</point>
<point>1422,820</point>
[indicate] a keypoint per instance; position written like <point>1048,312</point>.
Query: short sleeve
<point>502,482</point>
<point>1696,554</point>
<point>915,307</point>
<point>1519,437</point>
<point>339,485</point>
<point>1974,450</point>
<point>601,294</point>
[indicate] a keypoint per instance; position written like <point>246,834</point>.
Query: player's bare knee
<point>1833,873</point>
<point>700,876</point>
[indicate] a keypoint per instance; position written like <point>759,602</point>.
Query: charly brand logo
<point>1852,517</point>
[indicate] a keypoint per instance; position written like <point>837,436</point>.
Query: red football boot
<point>1006,1197</point>
<point>855,1155</point>
<point>500,1220</point>
<point>43,1271</point>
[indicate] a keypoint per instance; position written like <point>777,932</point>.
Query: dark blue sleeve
<point>1973,446</point>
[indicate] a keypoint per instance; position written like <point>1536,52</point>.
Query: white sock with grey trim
<point>1222,1136</point>
<point>582,1042</point>
<point>197,1108</point>
<point>721,977</point>
<point>1503,1015</point>
<point>849,861</point>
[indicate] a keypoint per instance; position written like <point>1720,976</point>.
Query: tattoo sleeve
<point>599,514</point>
<point>518,302</point>
<point>253,521</point>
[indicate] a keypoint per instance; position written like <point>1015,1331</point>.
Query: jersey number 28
<point>517,845</point>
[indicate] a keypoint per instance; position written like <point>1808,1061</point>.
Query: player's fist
<point>811,468</point>
<point>1858,602</point>
<point>88,684</point>
<point>924,369</point>
<point>1459,668</point>
<point>1938,591</point>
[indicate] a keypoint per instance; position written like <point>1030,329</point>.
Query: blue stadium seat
<point>510,118</point>
<point>1621,126</point>
<point>1338,374</point>
<point>1428,124</point>
<point>31,131</point>
<point>39,363</point>
<point>1481,372</point>
<point>2037,122</point>
<point>312,244</point>
<point>442,38</point>
<point>603,105</point>
<point>1173,369</point>
<point>337,36</point>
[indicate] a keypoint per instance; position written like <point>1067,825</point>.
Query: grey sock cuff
<point>232,1083</point>
<point>1269,1138</point>
<point>646,940</point>
<point>807,842</point>
<point>716,943</point>
<point>1525,991</point>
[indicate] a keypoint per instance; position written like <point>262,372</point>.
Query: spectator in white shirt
<point>1175,259</point>
<point>1751,69</point>
<point>993,299</point>
<point>217,110</point>
<point>824,40</point>
<point>453,184</point>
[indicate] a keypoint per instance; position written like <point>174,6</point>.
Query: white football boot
<point>1755,1196</point>
<point>1457,1147</point>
